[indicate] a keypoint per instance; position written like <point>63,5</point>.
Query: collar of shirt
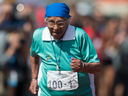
<point>69,34</point>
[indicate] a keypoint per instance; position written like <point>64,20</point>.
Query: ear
<point>45,19</point>
<point>69,19</point>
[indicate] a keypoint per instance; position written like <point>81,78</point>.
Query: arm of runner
<point>78,66</point>
<point>34,71</point>
<point>92,67</point>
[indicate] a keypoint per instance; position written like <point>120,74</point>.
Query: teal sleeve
<point>33,45</point>
<point>33,49</point>
<point>37,37</point>
<point>88,52</point>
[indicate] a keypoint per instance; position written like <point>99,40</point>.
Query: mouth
<point>56,32</point>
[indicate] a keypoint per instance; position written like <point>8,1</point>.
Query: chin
<point>56,36</point>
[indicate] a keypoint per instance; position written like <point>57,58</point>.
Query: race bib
<point>62,80</point>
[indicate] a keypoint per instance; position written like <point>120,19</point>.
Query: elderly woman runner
<point>68,57</point>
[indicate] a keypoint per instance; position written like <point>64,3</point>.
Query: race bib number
<point>62,80</point>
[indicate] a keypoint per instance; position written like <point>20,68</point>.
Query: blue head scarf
<point>57,9</point>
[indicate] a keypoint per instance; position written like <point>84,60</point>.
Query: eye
<point>50,21</point>
<point>60,23</point>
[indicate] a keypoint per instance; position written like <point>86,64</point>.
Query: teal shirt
<point>81,48</point>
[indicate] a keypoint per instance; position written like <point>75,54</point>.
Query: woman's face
<point>57,26</point>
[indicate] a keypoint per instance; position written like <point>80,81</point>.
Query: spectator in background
<point>120,61</point>
<point>16,66</point>
<point>14,51</point>
<point>8,21</point>
<point>8,60</point>
<point>109,50</point>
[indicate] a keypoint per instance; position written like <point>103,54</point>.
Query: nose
<point>55,27</point>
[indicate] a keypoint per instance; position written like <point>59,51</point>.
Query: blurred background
<point>105,21</point>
